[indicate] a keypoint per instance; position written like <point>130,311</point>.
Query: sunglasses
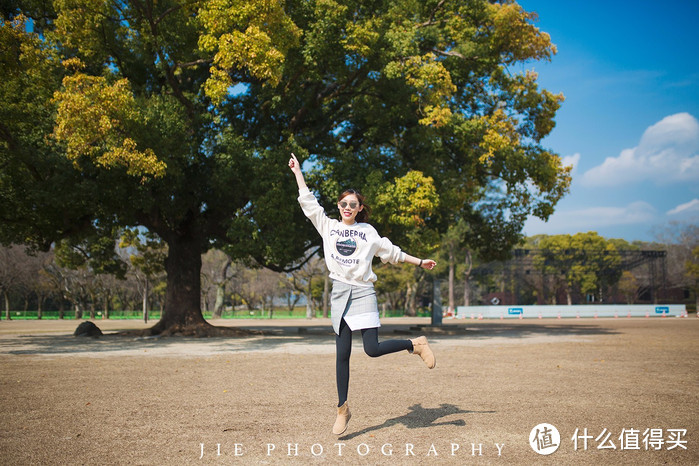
<point>353,205</point>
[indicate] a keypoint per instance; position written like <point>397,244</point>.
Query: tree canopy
<point>178,117</point>
<point>585,261</point>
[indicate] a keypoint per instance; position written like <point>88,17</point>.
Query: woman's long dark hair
<point>362,215</point>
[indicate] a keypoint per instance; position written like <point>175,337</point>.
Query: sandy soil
<point>270,399</point>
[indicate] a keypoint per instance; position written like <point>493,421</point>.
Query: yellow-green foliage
<point>253,35</point>
<point>431,83</point>
<point>500,134</point>
<point>408,199</point>
<point>93,121</point>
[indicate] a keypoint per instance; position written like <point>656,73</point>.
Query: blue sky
<point>629,124</point>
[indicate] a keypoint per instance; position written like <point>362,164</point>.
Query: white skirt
<point>356,304</point>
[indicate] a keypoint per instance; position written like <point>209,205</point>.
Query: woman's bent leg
<point>343,346</point>
<point>373,348</point>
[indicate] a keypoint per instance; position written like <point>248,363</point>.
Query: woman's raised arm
<point>296,169</point>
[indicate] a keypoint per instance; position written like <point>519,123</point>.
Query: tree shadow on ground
<point>110,343</point>
<point>420,418</point>
<point>303,338</point>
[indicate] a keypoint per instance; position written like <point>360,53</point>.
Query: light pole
<point>436,303</point>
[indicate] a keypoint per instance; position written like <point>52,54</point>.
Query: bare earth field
<point>270,399</point>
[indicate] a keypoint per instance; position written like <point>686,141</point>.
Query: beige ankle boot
<point>343,417</point>
<point>422,349</point>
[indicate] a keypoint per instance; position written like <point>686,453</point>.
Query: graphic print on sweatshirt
<point>346,247</point>
<point>346,242</point>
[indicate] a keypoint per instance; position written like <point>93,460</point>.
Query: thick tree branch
<point>14,147</point>
<point>330,91</point>
<point>203,61</point>
<point>169,72</point>
<point>431,21</point>
<point>450,53</point>
<point>6,135</point>
<point>172,9</point>
<point>291,268</point>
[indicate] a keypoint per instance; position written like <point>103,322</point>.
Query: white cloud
<point>592,219</point>
<point>667,152</point>
<point>691,207</point>
<point>571,161</point>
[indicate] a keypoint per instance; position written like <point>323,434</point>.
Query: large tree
<point>178,116</point>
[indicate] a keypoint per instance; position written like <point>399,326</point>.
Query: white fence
<point>560,312</point>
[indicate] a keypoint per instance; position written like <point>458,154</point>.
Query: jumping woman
<point>350,244</point>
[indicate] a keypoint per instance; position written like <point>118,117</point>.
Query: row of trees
<point>545,270</point>
<point>177,118</point>
<point>585,267</point>
<point>66,281</point>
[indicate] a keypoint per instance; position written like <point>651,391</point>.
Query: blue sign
<point>515,310</point>
<point>662,310</point>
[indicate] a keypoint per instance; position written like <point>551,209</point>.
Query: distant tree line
<point>71,281</point>
<point>558,269</point>
<point>583,268</point>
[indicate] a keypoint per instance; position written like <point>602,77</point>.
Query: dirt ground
<point>270,399</point>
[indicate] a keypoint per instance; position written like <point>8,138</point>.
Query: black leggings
<point>372,347</point>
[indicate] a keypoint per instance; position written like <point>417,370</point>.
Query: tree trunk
<point>467,292</point>
<point>221,291</point>
<point>146,282</point>
<point>182,310</point>
<point>7,306</point>
<point>326,295</point>
<point>290,304</point>
<point>220,300</point>
<point>105,311</point>
<point>410,294</point>
<point>467,279</point>
<point>310,312</point>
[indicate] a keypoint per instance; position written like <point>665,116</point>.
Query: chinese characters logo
<point>544,439</point>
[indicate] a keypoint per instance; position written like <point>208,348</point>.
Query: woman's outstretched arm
<point>296,169</point>
<point>424,263</point>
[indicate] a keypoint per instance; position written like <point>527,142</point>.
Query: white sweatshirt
<point>349,249</point>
